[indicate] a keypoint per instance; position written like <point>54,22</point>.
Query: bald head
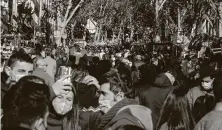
<point>41,63</point>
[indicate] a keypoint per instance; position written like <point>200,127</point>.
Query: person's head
<point>41,63</point>
<point>64,58</point>
<point>95,60</point>
<point>48,53</point>
<point>111,92</point>
<point>26,104</point>
<point>18,66</point>
<point>87,95</point>
<point>129,127</point>
<point>207,78</point>
<point>176,111</point>
<point>202,106</point>
<point>65,105</point>
<point>155,61</point>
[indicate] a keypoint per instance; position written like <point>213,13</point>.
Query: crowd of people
<point>110,88</point>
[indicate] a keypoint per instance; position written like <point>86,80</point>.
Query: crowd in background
<point>118,87</point>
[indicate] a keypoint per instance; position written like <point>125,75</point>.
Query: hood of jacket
<point>162,81</point>
<point>132,115</point>
<point>106,118</point>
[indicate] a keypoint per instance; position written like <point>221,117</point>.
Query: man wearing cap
<point>206,85</point>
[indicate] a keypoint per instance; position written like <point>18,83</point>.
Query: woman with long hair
<point>64,112</point>
<point>176,113</point>
<point>64,109</point>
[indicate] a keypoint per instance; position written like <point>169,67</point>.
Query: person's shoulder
<point>164,127</point>
<point>195,89</point>
<point>211,121</point>
<point>49,76</point>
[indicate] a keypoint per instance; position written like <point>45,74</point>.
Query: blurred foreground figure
<point>25,106</point>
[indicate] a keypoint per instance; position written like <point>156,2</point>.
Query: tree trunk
<point>98,35</point>
<point>178,22</point>
<point>220,21</point>
<point>58,40</point>
<point>157,10</point>
<point>14,12</point>
<point>119,33</point>
<point>131,33</point>
<point>113,38</point>
<point>105,37</point>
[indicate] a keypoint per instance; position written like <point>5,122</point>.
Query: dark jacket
<point>154,96</point>
<point>112,112</point>
<point>89,120</point>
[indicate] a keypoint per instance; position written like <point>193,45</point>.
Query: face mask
<point>105,105</point>
<point>15,77</point>
<point>61,108</point>
<point>207,86</point>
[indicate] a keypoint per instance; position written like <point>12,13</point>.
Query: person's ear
<point>8,70</point>
<point>119,96</point>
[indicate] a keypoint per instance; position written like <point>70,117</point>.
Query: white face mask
<point>207,86</point>
<point>61,108</point>
<point>105,105</point>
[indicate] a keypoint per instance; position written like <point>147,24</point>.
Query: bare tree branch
<point>161,6</point>
<point>67,11</point>
<point>73,12</point>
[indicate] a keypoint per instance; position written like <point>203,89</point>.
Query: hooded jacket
<point>132,115</point>
<point>154,96</point>
<point>112,112</point>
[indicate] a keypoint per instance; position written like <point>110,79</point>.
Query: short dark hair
<point>25,102</point>
<point>207,71</point>
<point>19,56</point>
<point>115,81</point>
<point>129,127</point>
<point>217,87</point>
<point>202,106</point>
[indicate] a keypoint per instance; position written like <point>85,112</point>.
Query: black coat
<point>154,96</point>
